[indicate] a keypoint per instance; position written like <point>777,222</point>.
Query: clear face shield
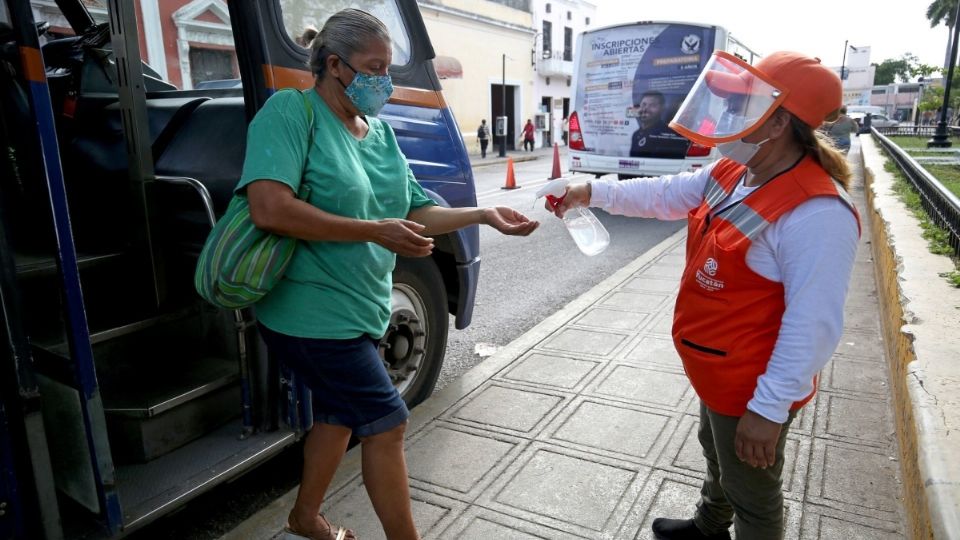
<point>729,101</point>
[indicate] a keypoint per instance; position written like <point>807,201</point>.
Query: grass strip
<point>937,238</point>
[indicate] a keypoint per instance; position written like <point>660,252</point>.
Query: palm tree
<point>943,11</point>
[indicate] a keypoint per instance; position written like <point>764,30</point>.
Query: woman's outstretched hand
<point>509,221</point>
<point>403,237</point>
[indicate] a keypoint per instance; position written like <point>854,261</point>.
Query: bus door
<point>147,396</point>
<point>47,271</point>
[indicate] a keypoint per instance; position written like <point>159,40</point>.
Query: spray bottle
<point>584,227</point>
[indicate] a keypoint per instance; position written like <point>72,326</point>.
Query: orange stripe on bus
<point>32,64</point>
<point>278,77</point>
<point>417,97</point>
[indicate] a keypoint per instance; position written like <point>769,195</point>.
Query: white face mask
<point>739,151</point>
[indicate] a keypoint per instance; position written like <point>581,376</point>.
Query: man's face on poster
<point>650,109</point>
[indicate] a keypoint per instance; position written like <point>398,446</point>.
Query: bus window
<point>299,15</point>
<point>209,59</point>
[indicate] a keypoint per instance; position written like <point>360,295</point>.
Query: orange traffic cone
<point>556,163</point>
<point>511,182</point>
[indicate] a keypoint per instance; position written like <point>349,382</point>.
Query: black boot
<point>682,529</point>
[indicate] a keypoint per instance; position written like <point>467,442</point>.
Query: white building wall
<point>858,86</point>
<point>479,34</point>
<point>582,16</point>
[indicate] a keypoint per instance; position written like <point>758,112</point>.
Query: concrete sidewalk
<point>585,427</point>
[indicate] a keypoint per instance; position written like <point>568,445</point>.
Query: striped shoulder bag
<point>240,263</point>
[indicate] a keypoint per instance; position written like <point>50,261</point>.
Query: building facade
<point>558,23</point>
<point>185,42</point>
<point>858,79</point>
<point>483,61</point>
<point>901,101</point>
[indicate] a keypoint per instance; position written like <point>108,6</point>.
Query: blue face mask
<point>368,93</point>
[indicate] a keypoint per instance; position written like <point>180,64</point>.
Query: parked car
<point>876,120</point>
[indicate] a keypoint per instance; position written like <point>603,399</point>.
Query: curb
<point>501,160</point>
<point>919,319</point>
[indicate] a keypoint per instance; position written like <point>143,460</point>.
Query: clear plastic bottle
<point>586,230</point>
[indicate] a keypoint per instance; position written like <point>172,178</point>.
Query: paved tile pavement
<point>585,427</point>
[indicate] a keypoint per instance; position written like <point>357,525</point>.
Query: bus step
<point>163,407</point>
<point>33,266</point>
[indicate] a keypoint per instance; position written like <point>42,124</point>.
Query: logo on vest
<point>705,276</point>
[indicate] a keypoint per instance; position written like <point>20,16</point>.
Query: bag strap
<point>304,188</point>
<point>309,107</point>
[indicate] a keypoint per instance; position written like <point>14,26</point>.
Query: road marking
<point>535,184</point>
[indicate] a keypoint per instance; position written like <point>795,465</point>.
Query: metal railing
<point>916,131</point>
<point>941,204</point>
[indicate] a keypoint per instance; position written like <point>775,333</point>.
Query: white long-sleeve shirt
<point>810,250</point>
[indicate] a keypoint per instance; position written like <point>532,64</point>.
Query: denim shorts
<point>347,379</point>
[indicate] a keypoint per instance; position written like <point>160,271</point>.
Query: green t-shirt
<point>331,290</point>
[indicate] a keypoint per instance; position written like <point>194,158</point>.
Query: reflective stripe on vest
<point>746,220</point>
<point>714,193</point>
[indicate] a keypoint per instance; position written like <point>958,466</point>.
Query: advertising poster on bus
<point>631,81</point>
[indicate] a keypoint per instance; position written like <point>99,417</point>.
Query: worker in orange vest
<point>771,240</point>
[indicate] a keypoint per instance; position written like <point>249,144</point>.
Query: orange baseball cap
<point>814,92</point>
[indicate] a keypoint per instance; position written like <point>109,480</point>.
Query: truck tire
<point>416,339</point>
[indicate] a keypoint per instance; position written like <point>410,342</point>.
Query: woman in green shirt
<point>364,208</point>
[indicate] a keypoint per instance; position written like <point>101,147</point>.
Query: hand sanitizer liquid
<point>584,227</point>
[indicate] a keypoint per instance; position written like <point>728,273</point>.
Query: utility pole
<point>942,139</point>
<point>503,104</point>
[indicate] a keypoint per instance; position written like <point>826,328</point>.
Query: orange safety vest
<point>727,316</point>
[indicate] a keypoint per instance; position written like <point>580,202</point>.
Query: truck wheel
<point>416,339</point>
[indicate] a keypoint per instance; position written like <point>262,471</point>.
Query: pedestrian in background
<point>771,242</point>
<point>325,317</point>
<point>840,130</point>
<point>566,129</point>
<point>528,136</point>
<point>483,135</point>
<point>306,38</point>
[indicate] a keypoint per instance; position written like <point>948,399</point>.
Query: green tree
<point>905,68</point>
<point>886,72</point>
<point>932,98</point>
<point>942,11</point>
<point>945,12</point>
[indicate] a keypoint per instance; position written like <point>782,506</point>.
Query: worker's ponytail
<point>822,149</point>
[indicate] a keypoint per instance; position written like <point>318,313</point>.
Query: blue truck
<point>123,395</point>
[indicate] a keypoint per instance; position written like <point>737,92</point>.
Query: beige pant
<point>733,491</point>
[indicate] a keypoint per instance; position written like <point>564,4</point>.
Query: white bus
<point>629,80</point>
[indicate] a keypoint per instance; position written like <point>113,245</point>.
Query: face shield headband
<point>729,101</point>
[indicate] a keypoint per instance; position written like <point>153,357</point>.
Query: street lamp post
<point>843,64</point>
<point>503,104</point>
<point>941,139</point>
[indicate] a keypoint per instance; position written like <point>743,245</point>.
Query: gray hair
<point>346,32</point>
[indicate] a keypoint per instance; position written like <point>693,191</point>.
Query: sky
<point>890,27</point>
